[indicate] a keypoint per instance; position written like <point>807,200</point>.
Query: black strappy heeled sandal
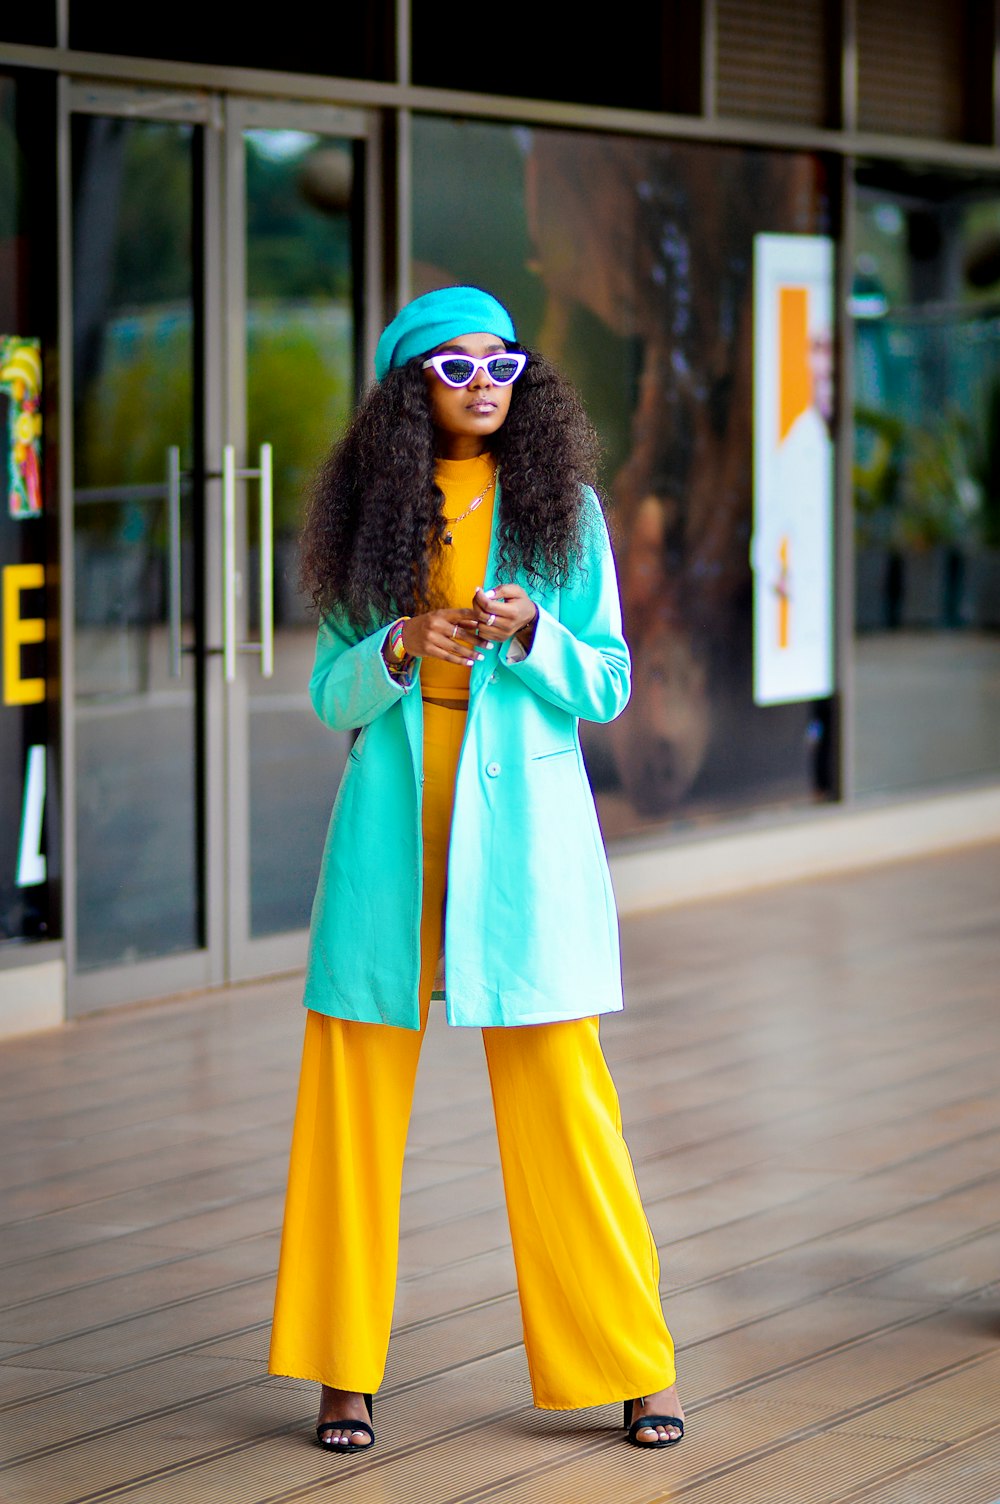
<point>340,1448</point>
<point>650,1422</point>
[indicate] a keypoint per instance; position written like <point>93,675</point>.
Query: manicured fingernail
<point>468,662</point>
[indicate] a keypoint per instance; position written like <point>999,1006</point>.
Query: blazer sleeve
<point>350,683</point>
<point>578,658</point>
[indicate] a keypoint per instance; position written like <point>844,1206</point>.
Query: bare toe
<point>665,1402</point>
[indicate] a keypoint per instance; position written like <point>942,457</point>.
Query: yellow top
<point>462,569</point>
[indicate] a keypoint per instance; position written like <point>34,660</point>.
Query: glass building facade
<point>767,258</point>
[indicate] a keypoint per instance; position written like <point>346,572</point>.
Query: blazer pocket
<point>556,752</point>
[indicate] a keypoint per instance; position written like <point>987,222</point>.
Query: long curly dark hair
<point>374,522</point>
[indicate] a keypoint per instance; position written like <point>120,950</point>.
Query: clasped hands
<point>460,635</point>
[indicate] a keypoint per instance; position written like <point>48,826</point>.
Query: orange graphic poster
<point>792,548</point>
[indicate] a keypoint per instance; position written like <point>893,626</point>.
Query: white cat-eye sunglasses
<point>458,370</point>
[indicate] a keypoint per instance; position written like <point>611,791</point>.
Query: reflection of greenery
<point>941,496</point>
<point>153,236</point>
<point>139,404</point>
<point>298,399</point>
<point>300,323</point>
<point>920,486</point>
<point>300,392</point>
<point>877,474</point>
<point>294,250</point>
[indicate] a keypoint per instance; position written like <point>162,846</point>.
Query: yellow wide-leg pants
<point>587,1268</point>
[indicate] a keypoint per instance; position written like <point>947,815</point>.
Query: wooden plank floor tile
<point>810,1085</point>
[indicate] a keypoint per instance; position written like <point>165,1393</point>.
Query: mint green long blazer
<point>531,930</point>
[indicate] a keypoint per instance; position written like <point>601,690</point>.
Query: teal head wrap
<point>436,317</point>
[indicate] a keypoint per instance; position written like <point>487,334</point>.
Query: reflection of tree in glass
<point>879,443</point>
<point>300,389</point>
<point>941,494</point>
<point>139,402</point>
<point>132,294</point>
<point>153,251</point>
<point>300,386</point>
<point>135,406</point>
<point>295,248</point>
<point>300,321</point>
<point>300,335</point>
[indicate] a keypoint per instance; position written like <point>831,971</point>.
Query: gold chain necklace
<point>474,503</point>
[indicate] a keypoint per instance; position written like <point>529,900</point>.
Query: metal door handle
<point>174,558</point>
<point>229,562</point>
<point>265,647</point>
<point>266,561</point>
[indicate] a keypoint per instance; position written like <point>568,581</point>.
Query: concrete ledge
<point>834,839</point>
<point>32,998</point>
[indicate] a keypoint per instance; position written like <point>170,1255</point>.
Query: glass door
<point>138,886</point>
<point>295,181</point>
<point>216,282</point>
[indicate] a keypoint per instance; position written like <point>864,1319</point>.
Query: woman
<point>459,558</point>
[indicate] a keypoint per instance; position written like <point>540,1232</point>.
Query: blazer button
<point>492,770</point>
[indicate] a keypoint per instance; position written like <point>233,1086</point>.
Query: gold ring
<point>454,630</point>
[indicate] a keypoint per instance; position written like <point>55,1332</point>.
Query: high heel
<point>633,1427</point>
<point>340,1447</point>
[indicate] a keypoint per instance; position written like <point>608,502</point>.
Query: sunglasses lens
<point>502,368</point>
<point>456,370</point>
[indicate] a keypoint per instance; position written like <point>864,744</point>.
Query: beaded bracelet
<point>394,641</point>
